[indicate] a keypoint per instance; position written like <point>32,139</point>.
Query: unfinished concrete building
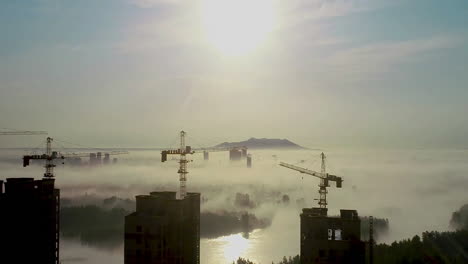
<point>331,240</point>
<point>235,154</point>
<point>99,158</point>
<point>106,159</point>
<point>30,221</point>
<point>163,229</point>
<point>92,159</point>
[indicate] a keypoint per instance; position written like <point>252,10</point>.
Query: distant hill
<point>262,143</point>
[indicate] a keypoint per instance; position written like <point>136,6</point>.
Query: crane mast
<point>323,185</point>
<point>183,151</point>
<point>324,177</point>
<point>183,166</point>
<point>49,166</point>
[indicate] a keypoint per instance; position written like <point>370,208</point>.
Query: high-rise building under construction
<point>163,229</point>
<point>235,154</point>
<point>331,240</point>
<point>30,221</point>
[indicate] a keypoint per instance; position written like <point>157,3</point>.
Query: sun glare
<point>234,246</point>
<point>236,27</point>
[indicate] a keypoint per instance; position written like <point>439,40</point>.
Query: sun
<point>236,27</point>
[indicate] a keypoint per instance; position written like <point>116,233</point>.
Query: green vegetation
<point>242,261</point>
<point>215,225</point>
<point>434,247</point>
<point>93,225</point>
<point>102,227</point>
<point>290,260</point>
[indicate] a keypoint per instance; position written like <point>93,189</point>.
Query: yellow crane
<point>50,156</point>
<point>183,151</point>
<point>324,177</point>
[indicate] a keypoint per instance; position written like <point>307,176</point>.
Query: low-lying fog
<point>417,190</point>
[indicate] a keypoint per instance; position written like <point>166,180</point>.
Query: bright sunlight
<point>237,27</point>
<point>234,246</point>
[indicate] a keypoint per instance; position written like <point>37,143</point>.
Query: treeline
<point>434,247</point>
<point>290,260</point>
<point>98,226</point>
<point>93,225</point>
<point>226,223</point>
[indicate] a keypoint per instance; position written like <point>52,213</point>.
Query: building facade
<point>235,154</point>
<point>331,240</point>
<point>30,221</point>
<point>163,229</point>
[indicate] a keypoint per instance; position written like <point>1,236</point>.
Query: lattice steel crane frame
<point>183,151</point>
<point>50,156</point>
<point>324,177</point>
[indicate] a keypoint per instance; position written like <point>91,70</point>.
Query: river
<point>416,189</point>
<point>263,245</point>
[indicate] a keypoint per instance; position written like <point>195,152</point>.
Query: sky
<point>132,73</point>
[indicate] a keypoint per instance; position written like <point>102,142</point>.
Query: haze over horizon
<point>132,73</point>
<point>323,113</point>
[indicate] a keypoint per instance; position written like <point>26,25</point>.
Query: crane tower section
<point>183,151</point>
<point>49,156</point>
<point>324,177</point>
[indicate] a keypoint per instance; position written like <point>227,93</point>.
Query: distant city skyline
<point>133,73</point>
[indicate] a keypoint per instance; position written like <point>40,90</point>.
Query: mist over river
<point>415,189</point>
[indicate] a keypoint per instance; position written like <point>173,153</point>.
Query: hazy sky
<point>319,72</point>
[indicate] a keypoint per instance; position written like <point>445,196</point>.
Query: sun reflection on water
<point>234,246</point>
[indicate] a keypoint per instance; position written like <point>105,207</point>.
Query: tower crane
<point>324,177</point>
<point>183,151</point>
<point>50,156</point>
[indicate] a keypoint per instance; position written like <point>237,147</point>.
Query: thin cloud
<point>303,11</point>
<point>153,3</point>
<point>384,56</point>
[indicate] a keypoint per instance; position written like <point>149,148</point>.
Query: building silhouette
<point>235,154</point>
<point>331,240</point>
<point>163,229</point>
<point>249,161</point>
<point>106,159</point>
<point>29,220</point>
<point>99,158</point>
<point>92,159</point>
<point>244,153</point>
